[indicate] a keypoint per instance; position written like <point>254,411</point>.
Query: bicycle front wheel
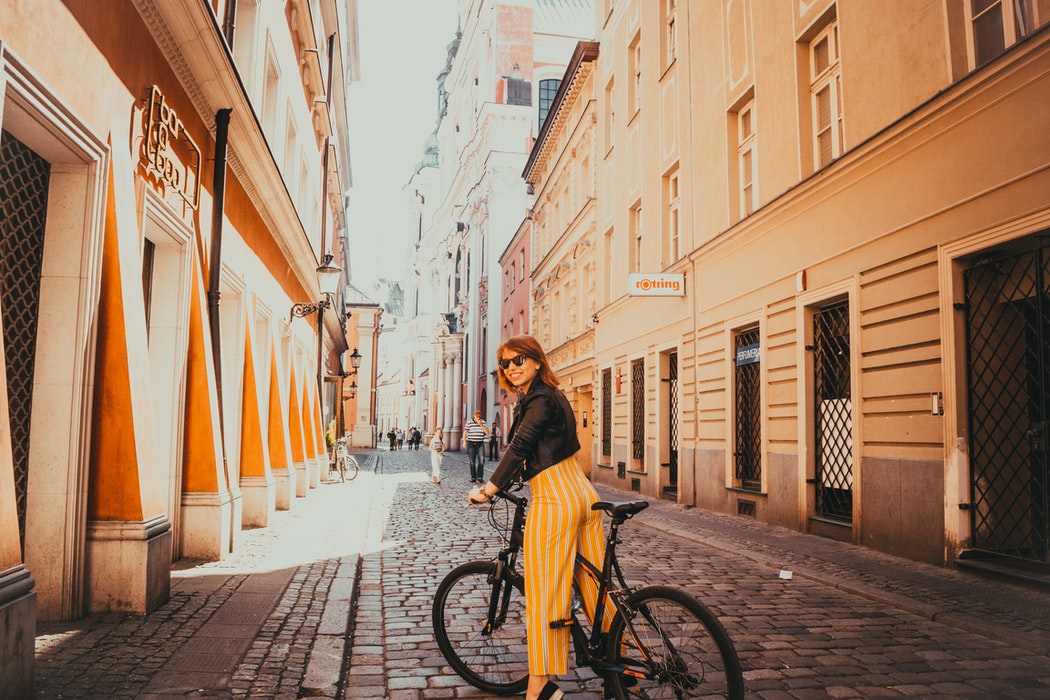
<point>350,467</point>
<point>493,658</point>
<point>672,647</point>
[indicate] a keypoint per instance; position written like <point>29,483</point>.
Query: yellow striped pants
<point>560,523</point>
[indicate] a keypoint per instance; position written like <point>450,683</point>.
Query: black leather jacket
<point>543,433</point>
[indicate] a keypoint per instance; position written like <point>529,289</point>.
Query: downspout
<point>324,234</point>
<point>222,131</point>
<point>229,22</point>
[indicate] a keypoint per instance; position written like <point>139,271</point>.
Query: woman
<point>437,449</point>
<point>542,450</point>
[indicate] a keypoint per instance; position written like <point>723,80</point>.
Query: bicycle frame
<point>590,648</point>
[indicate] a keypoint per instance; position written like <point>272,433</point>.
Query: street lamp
<point>352,389</point>
<point>328,282</point>
<point>355,361</point>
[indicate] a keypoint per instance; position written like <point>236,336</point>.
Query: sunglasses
<point>518,361</point>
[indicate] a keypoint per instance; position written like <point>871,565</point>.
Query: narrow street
<point>276,619</point>
<point>849,622</point>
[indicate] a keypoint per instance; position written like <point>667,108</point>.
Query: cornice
<point>190,39</point>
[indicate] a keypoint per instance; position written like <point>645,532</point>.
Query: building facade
<point>171,189</point>
<point>502,71</point>
<point>821,267</point>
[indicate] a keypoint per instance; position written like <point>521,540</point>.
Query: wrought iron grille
<point>638,409</point>
<point>748,454</point>
<point>1008,371</point>
<point>672,414</point>
<point>607,412</point>
<point>834,419</point>
<point>24,178</point>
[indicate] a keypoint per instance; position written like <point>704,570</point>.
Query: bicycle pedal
<point>559,624</point>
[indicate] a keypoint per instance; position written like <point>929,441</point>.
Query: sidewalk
<point>276,620</point>
<point>269,621</point>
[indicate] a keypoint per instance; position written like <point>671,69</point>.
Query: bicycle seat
<point>621,509</point>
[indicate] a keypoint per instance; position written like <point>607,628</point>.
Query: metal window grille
<point>672,414</point>
<point>748,453</point>
<point>1008,374</point>
<point>834,419</point>
<point>607,412</point>
<point>24,181</point>
<point>638,409</point>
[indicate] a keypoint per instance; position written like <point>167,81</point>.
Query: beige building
<point>820,270</point>
<point>560,171</point>
<point>171,189</point>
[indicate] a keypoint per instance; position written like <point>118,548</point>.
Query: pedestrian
<point>476,431</point>
<point>392,437</point>
<point>400,439</point>
<point>541,450</point>
<point>437,450</point>
<point>417,437</point>
<point>494,442</point>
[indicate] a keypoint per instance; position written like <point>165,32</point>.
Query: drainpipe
<point>222,131</point>
<point>229,22</point>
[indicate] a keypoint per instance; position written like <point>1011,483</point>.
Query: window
<point>638,409</point>
<point>548,89</point>
<point>271,91</point>
<point>670,31</point>
<point>747,396</point>
<point>998,24</point>
<point>746,155</point>
<point>636,74</point>
<point>636,239</point>
<point>521,265</point>
<point>825,89</point>
<point>672,196</point>
<point>606,412</point>
<point>610,266</point>
<point>610,115</point>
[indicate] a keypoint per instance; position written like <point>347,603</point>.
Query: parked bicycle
<point>662,642</point>
<point>343,462</point>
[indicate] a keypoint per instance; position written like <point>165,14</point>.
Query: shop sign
<point>169,155</point>
<point>643,285</point>
<point>747,355</point>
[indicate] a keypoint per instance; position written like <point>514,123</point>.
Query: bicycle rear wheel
<point>673,647</point>
<point>350,467</point>
<point>495,660</point>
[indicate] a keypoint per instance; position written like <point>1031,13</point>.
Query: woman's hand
<point>478,495</point>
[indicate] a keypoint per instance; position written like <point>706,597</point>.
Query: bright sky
<point>393,109</point>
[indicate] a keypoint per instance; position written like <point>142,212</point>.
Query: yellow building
<point>170,188</point>
<point>560,171</point>
<point>821,267</point>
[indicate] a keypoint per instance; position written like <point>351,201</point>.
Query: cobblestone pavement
<point>270,620</point>
<point>848,623</point>
<point>333,600</point>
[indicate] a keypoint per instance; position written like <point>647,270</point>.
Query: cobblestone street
<point>333,600</point>
<point>849,623</point>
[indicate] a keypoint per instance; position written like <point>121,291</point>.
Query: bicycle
<point>662,641</point>
<point>343,462</point>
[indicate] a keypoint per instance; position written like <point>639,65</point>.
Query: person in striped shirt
<point>477,433</point>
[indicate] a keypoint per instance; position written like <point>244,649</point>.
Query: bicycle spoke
<point>678,647</point>
<point>494,659</point>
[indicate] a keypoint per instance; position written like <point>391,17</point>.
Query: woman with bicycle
<point>541,451</point>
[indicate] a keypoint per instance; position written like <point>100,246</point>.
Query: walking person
<point>541,449</point>
<point>477,432</point>
<point>494,442</point>
<point>437,451</point>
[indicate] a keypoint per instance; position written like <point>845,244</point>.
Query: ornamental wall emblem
<point>169,157</point>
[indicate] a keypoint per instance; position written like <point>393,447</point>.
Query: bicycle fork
<point>499,601</point>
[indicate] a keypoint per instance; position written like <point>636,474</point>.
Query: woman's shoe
<point>550,692</point>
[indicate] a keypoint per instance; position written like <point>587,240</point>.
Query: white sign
<point>643,285</point>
